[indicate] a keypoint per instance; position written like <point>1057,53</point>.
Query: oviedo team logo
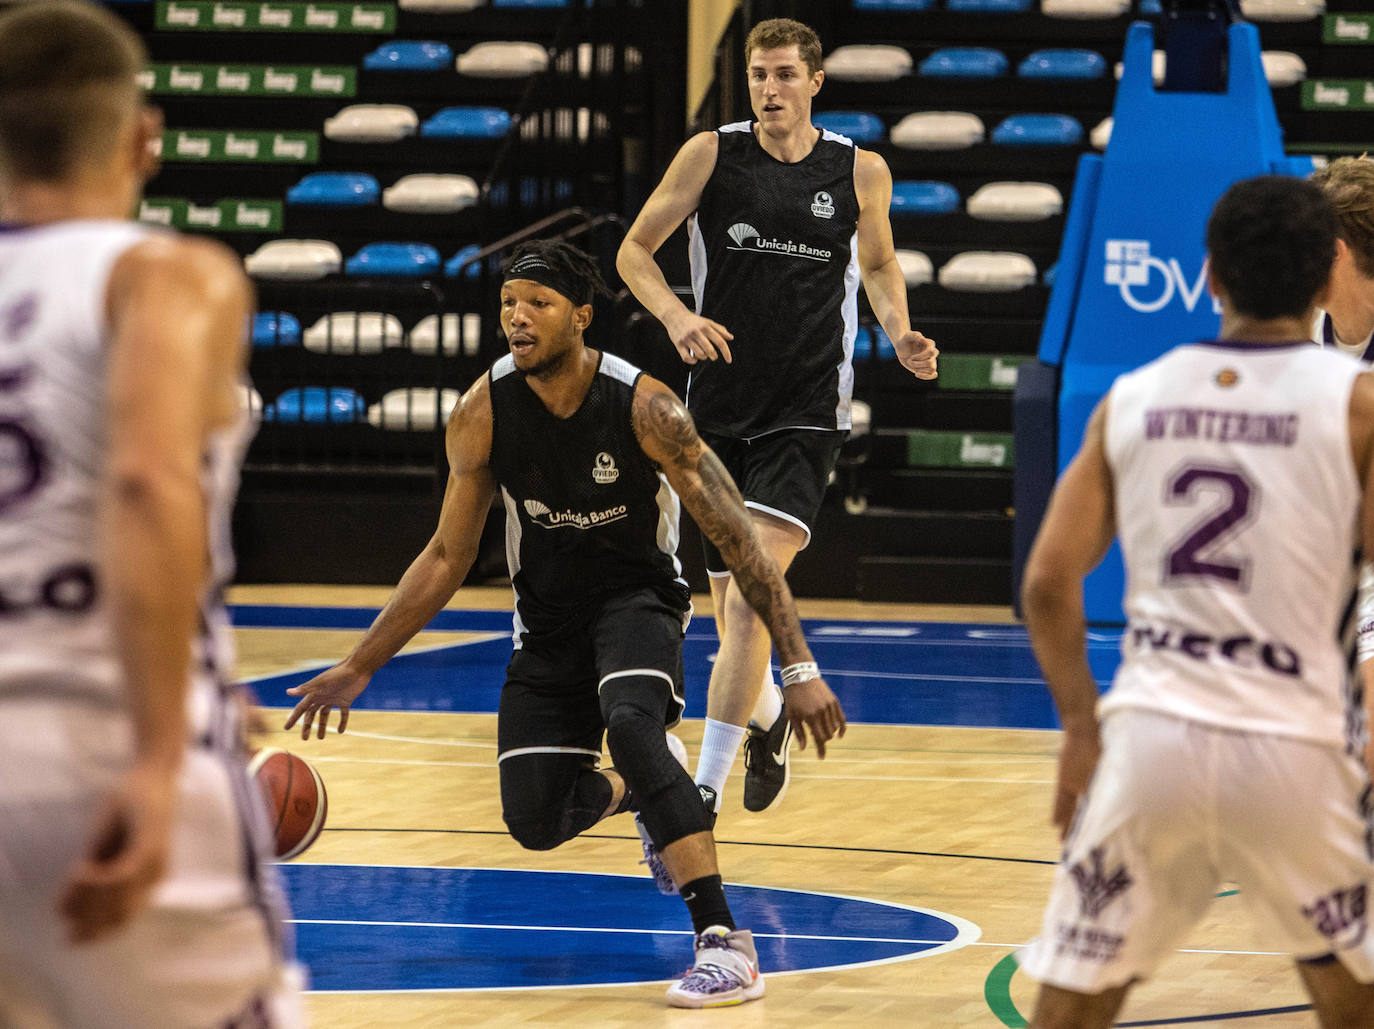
<point>604,470</point>
<point>1147,283</point>
<point>823,205</point>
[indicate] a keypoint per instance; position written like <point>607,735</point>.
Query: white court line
<point>311,666</point>
<point>417,739</point>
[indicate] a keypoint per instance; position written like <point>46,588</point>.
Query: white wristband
<point>802,671</point>
<point>1364,640</point>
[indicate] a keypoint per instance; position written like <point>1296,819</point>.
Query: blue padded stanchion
<point>1130,283</point>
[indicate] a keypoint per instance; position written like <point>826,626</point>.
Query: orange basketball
<point>296,801</point>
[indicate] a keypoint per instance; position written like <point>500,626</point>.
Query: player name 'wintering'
<point>1261,428</point>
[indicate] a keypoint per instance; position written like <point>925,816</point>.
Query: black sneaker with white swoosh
<point>767,767</point>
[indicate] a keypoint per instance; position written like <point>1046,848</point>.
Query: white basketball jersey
<point>55,637</point>
<point>1237,510</point>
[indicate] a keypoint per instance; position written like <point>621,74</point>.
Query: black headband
<point>536,269</point>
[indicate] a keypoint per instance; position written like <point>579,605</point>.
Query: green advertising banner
<point>979,371</point>
<point>1338,95</point>
<point>1349,29</point>
<point>228,215</point>
<point>205,16</point>
<point>255,147</point>
<point>936,448</point>
<point>250,80</point>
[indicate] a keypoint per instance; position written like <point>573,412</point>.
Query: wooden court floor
<point>953,819</point>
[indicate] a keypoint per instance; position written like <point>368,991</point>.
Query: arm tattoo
<point>713,500</point>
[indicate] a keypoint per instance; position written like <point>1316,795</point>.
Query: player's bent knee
<point>639,747</point>
<point>536,834</point>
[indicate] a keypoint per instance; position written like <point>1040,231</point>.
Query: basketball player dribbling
<point>134,885</point>
<point>1238,475</point>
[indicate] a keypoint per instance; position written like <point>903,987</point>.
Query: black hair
<point>1271,241</point>
<point>562,266</point>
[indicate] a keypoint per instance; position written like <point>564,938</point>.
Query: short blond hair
<point>1348,183</point>
<point>67,85</point>
<point>781,32</point>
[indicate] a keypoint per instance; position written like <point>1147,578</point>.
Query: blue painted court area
<point>363,927</point>
<point>896,673</point>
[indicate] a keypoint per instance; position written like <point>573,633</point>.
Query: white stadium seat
<point>372,123</point>
<point>916,267</point>
<point>459,336</point>
<point>353,332</point>
<point>502,60</point>
<point>1102,133</point>
<point>1283,10</point>
<point>420,408</point>
<point>987,271</point>
<point>431,194</point>
<point>1084,8</point>
<point>1015,202</point>
<point>296,259</point>
<point>441,6</point>
<point>863,63</point>
<point>938,130</point>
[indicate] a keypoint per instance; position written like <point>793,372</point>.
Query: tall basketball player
<point>1238,475</point>
<point>134,889</point>
<point>785,220</point>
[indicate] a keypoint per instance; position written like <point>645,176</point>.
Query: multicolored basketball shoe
<point>726,971</point>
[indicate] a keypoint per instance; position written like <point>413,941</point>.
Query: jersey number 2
<point>1238,497</point>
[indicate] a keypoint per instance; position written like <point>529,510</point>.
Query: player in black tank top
<point>590,456</point>
<point>785,221</point>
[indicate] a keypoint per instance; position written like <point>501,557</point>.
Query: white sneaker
<point>662,879</point>
<point>726,971</point>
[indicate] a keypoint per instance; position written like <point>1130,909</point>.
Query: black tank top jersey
<point>772,255</point>
<point>587,513</point>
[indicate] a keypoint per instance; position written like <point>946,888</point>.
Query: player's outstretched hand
<point>1077,758</point>
<point>126,857</point>
<point>336,688</point>
<point>699,339</point>
<point>918,354</point>
<point>813,707</point>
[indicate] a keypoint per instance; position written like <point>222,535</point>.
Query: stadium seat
<point>452,265</point>
<point>938,130</point>
<point>394,259</point>
<point>923,197</point>
<point>1063,64</point>
<point>987,271</point>
<point>1283,10</point>
<point>294,259</point>
<point>1038,130</point>
<point>440,6</point>
<point>965,62</point>
<point>989,6</point>
<point>916,267</point>
<point>1084,8</point>
<point>1015,202</point>
<point>317,405</point>
<point>372,123</point>
<point>409,55</point>
<point>354,332</point>
<point>1102,133</point>
<point>462,335</point>
<point>503,60</point>
<point>467,123</point>
<point>276,329</point>
<point>418,409</point>
<point>894,5</point>
<point>864,343</point>
<point>334,189</point>
<point>529,3</point>
<point>863,63</point>
<point>858,126</point>
<point>431,194</point>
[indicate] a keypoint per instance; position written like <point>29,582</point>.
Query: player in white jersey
<point>134,887</point>
<point>1239,477</point>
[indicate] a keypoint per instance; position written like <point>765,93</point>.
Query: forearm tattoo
<point>710,495</point>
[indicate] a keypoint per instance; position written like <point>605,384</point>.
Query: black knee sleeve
<point>669,804</point>
<point>547,799</point>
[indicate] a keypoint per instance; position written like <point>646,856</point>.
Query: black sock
<point>705,898</point>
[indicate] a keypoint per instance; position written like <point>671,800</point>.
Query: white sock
<point>719,744</point>
<point>769,705</point>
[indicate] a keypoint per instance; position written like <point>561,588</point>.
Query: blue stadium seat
<point>1063,64</point>
<point>863,343</point>
<point>335,189</point>
<point>894,5</point>
<point>410,55</point>
<point>1149,8</point>
<point>394,259</point>
<point>965,62</point>
<point>1038,130</point>
<point>989,6</point>
<point>467,123</point>
<point>452,264</point>
<point>529,3</point>
<point>923,197</point>
<point>317,405</point>
<point>860,126</point>
<point>276,329</point>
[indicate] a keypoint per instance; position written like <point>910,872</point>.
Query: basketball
<point>295,797</point>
